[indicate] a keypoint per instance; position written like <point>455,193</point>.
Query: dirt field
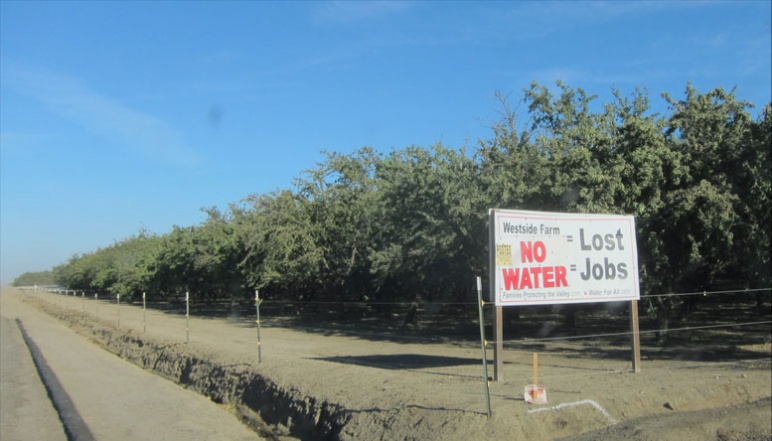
<point>348,382</point>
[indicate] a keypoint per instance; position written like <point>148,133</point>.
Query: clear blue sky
<point>117,116</point>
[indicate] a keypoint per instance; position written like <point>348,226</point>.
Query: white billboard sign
<point>540,258</point>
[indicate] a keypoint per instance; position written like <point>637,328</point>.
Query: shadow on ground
<point>402,361</point>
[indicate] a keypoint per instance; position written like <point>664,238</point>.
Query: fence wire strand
<point>284,302</point>
<point>628,333</point>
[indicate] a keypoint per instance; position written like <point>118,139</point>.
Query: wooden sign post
<point>635,336</point>
<point>498,345</point>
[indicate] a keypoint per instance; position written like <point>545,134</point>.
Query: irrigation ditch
<point>275,412</point>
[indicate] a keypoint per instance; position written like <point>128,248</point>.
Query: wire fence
<point>181,295</point>
<point>443,320</point>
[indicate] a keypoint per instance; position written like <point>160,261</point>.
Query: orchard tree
<point>432,228</point>
<point>339,199</point>
<point>707,214</point>
<point>513,171</point>
<point>280,255</point>
<point>215,256</point>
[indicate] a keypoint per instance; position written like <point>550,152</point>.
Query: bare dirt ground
<point>90,394</point>
<point>364,381</point>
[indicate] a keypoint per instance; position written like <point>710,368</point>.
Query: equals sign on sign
<point>572,267</point>
<point>569,238</point>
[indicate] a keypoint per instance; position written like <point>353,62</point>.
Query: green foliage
<point>119,268</point>
<point>280,254</point>
<point>412,224</point>
<point>710,218</point>
<point>41,278</point>
<point>754,188</point>
<point>431,223</point>
<point>339,203</point>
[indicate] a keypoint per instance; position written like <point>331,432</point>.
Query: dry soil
<point>317,382</point>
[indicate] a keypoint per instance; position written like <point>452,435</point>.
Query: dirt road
<point>347,384</point>
<point>98,396</point>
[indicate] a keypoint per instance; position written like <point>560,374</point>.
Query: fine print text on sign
<point>543,258</point>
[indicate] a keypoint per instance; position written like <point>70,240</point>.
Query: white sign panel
<point>540,258</point>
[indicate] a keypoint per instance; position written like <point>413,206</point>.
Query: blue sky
<point>117,116</point>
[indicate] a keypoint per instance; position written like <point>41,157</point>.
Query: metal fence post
<point>187,317</point>
<point>259,345</point>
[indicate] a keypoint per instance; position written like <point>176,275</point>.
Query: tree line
<point>410,225</point>
<point>39,278</point>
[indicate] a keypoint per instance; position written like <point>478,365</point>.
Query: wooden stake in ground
<point>536,369</point>
<point>535,394</point>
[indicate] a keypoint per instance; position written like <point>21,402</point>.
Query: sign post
<point>483,345</point>
<point>541,258</point>
<point>498,312</point>
<point>636,336</point>
<point>498,345</point>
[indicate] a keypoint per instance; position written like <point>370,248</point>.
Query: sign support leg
<point>635,336</point>
<point>498,346</point>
